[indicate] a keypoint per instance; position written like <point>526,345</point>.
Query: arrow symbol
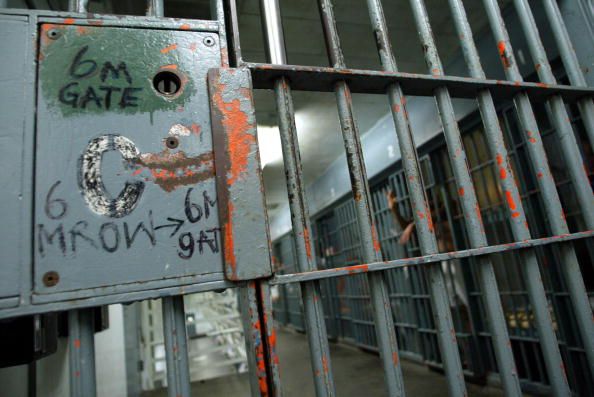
<point>178,223</point>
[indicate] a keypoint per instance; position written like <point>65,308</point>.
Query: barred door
<point>218,236</point>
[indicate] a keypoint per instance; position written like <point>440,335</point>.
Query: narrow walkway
<point>356,374</point>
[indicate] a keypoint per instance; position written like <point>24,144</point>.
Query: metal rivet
<point>172,142</point>
<point>51,278</point>
<point>208,41</point>
<point>53,34</point>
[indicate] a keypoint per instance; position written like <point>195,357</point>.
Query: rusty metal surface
<point>323,79</point>
<point>239,186</point>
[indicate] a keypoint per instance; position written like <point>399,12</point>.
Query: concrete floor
<point>356,374</point>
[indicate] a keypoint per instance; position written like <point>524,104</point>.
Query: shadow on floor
<point>356,374</point>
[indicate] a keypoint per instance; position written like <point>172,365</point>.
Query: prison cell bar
<point>570,268</point>
<point>472,216</point>
<point>551,201</point>
<point>81,352</point>
<point>312,302</point>
<point>371,250</point>
<point>420,209</point>
<point>571,63</point>
<point>78,5</point>
<point>558,114</point>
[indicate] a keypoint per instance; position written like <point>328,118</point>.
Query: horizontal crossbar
<point>323,79</point>
<point>422,260</point>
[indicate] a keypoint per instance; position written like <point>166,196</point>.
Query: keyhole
<point>167,83</point>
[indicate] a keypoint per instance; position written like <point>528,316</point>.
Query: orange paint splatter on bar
<point>461,192</point>
<point>185,26</point>
<point>395,358</point>
<point>510,201</point>
<point>307,243</point>
<point>77,343</point>
<point>503,54</point>
<point>169,48</point>
<point>325,364</point>
<point>69,21</point>
<point>228,244</point>
<point>170,67</point>
<point>502,173</point>
<point>357,269</point>
<point>376,244</point>
<point>240,141</point>
<point>499,158</point>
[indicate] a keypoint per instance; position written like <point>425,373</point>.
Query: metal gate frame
<point>343,82</point>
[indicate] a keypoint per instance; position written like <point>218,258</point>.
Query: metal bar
<point>551,203</point>
<point>3,3</point>
<point>255,348</point>
<point>446,334</point>
<point>323,79</point>
<point>498,151</point>
<point>472,216</point>
<point>77,5</point>
<point>155,8</point>
<point>312,302</point>
<point>571,63</point>
<point>269,336</point>
<point>572,274</point>
<point>425,259</point>
<point>558,113</point>
<point>81,352</point>
<point>176,348</point>
<point>370,247</point>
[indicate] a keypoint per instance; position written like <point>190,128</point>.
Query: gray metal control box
<point>110,187</point>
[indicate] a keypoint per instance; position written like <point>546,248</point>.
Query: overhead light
<point>270,145</point>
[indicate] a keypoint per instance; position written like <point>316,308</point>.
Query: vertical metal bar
<point>176,347</point>
<point>446,334</point>
<point>3,3</point>
<point>81,352</point>
<point>570,266</point>
<point>255,349</point>
<point>370,247</point>
<point>558,113</point>
<point>77,5</point>
<point>312,302</point>
<point>553,209</point>
<point>470,208</point>
<point>155,8</point>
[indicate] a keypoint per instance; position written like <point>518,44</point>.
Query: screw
<point>53,34</point>
<point>171,142</point>
<point>208,41</point>
<point>51,278</point>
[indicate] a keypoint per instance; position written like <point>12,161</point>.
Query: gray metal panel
<point>134,168</point>
<point>239,185</point>
<point>14,82</point>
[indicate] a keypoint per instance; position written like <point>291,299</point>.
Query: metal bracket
<point>242,213</point>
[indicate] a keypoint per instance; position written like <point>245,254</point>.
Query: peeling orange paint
<point>461,192</point>
<point>395,358</point>
<point>307,243</point>
<point>503,54</point>
<point>77,343</point>
<point>169,67</point>
<point>185,26</point>
<point>228,244</point>
<point>499,158</point>
<point>240,141</point>
<point>357,269</point>
<point>169,48</point>
<point>376,244</point>
<point>195,128</point>
<point>69,21</point>
<point>510,201</point>
<point>502,173</point>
